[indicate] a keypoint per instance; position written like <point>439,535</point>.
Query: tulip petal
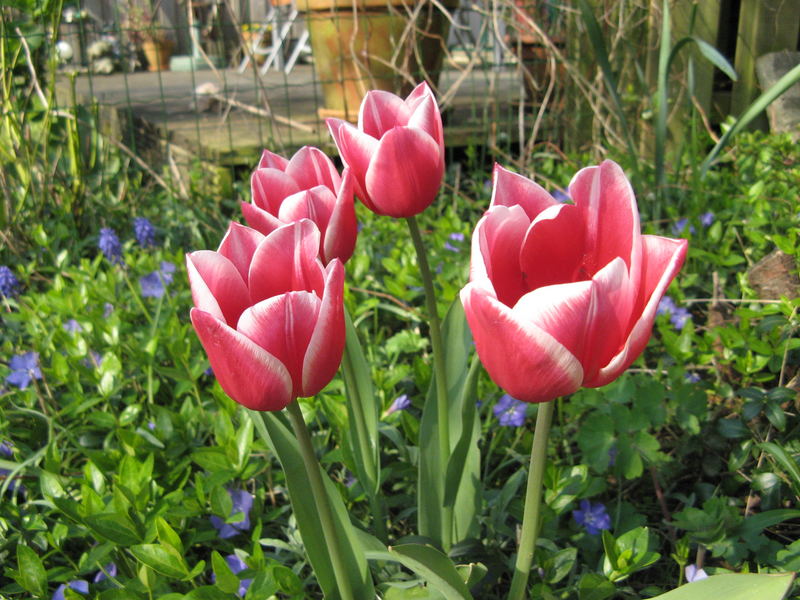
<point>510,188</point>
<point>426,116</point>
<point>315,204</point>
<point>381,111</point>
<point>560,310</point>
<point>238,246</point>
<point>495,252</point>
<point>269,187</point>
<point>217,286</point>
<point>662,259</point>
<point>523,359</point>
<point>324,353</point>
<point>259,219</point>
<point>282,326</point>
<point>405,173</point>
<point>310,167</point>
<point>248,374</point>
<point>417,95</point>
<point>286,261</point>
<point>270,160</point>
<point>340,238</point>
<point>609,315</point>
<point>611,217</point>
<point>553,249</point>
<point>356,149</point>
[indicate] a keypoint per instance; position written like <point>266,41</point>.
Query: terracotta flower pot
<point>157,54</point>
<point>364,45</point>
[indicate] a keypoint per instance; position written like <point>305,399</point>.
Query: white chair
<point>278,25</point>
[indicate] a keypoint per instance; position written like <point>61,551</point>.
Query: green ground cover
<point>127,472</point>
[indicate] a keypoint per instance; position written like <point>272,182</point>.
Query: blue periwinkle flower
<point>24,369</point>
<point>8,282</point>
<point>510,411</point>
<point>79,585</point>
<point>110,246</point>
<point>678,315</point>
<point>679,228</point>
<point>694,573</point>
<point>110,568</point>
<point>592,516</point>
<point>402,402</point>
<point>236,565</point>
<point>144,232</point>
<point>154,284</point>
<point>706,219</point>
<point>242,503</point>
<point>72,326</point>
<point>612,456</point>
<point>6,451</point>
<point>561,196</point>
<point>456,237</point>
<point>665,305</point>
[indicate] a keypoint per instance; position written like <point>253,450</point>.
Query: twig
<point>410,309</point>
<point>662,503</point>
<point>230,102</point>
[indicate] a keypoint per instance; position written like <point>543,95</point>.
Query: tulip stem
<point>362,441</point>
<point>533,500</point>
<point>321,499</point>
<point>442,416</point>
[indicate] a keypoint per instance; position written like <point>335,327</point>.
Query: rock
<point>784,112</point>
<point>206,97</point>
<point>774,276</point>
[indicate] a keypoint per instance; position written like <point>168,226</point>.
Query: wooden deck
<point>274,111</point>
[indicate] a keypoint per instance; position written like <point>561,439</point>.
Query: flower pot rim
<point>322,5</point>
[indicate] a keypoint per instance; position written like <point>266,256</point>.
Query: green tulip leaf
<point>461,488</point>
<point>426,561</point>
<point>732,586</point>
<point>275,430</point>
<point>362,411</point>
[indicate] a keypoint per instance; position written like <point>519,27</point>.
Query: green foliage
<point>126,448</point>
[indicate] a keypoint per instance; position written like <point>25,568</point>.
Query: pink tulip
<point>268,314</point>
<point>397,152</point>
<point>307,186</point>
<point>564,295</point>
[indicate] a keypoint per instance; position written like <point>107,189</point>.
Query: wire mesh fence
<point>221,80</point>
<point>176,81</point>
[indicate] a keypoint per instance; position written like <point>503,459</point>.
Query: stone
<point>784,112</point>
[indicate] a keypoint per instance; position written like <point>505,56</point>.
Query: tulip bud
<point>396,153</point>
<point>268,314</point>
<point>307,186</point>
<point>564,295</point>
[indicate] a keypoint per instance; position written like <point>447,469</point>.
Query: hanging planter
<point>361,45</point>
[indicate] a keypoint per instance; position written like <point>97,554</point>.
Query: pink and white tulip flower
<point>396,153</point>
<point>268,314</point>
<point>564,295</point>
<point>307,186</point>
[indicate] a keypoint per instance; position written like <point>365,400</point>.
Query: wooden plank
<point>151,108</point>
<point>764,26</point>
